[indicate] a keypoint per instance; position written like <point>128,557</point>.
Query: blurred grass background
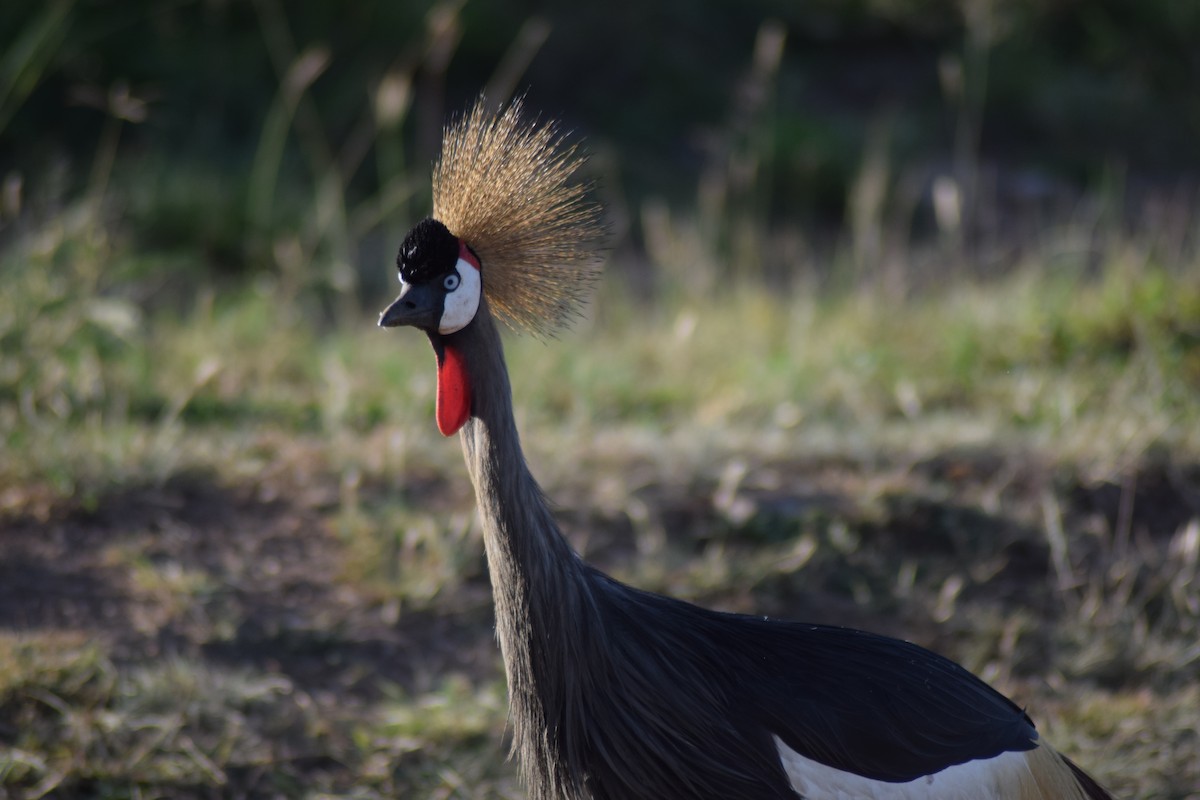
<point>900,329</point>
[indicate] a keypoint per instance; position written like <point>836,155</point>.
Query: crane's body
<point>620,694</point>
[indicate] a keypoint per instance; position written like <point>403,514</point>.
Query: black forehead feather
<point>429,251</point>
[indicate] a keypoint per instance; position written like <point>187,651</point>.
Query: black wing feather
<point>872,705</point>
<point>875,706</point>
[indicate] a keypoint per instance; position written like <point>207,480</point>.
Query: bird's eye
<point>450,282</point>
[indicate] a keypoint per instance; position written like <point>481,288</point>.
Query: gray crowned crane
<point>617,693</point>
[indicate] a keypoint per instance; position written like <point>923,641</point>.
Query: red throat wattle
<point>453,391</point>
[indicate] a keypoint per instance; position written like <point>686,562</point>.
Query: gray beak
<point>419,305</point>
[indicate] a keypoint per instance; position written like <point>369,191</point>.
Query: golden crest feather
<point>502,186</point>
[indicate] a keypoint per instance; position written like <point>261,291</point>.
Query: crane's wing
<point>838,712</point>
<point>862,715</point>
<point>859,702</point>
<point>872,705</point>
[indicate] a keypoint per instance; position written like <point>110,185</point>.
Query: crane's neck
<point>526,552</point>
<point>545,612</point>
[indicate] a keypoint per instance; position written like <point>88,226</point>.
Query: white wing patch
<point>1003,777</point>
<point>462,302</point>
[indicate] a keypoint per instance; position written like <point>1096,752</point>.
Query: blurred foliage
<point>157,159</point>
<point>675,87</point>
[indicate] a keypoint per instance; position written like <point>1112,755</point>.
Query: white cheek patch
<point>463,301</point>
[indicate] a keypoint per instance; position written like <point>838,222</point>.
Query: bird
<point>616,693</point>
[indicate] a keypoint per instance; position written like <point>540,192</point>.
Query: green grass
<point>238,560</point>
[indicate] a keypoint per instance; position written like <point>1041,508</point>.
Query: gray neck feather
<point>542,592</point>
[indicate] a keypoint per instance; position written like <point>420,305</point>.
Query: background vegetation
<point>901,329</point>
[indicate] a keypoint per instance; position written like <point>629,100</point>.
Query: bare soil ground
<point>253,579</point>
